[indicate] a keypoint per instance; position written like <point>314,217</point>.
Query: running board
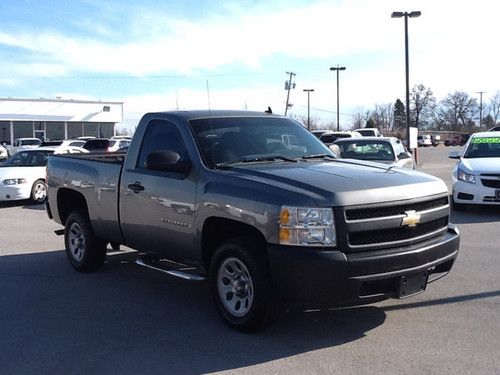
<point>173,272</point>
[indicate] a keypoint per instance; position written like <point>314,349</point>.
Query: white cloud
<point>452,47</point>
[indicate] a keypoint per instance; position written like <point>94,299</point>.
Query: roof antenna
<point>268,110</point>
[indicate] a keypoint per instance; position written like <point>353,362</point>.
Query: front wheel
<point>38,192</point>
<point>241,285</point>
<point>84,250</point>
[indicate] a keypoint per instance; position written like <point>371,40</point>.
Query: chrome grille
<point>491,183</point>
<point>380,226</point>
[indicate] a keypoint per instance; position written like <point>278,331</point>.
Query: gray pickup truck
<point>259,207</point>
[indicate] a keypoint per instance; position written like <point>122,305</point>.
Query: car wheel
<point>241,285</point>
<point>84,250</point>
<point>38,192</point>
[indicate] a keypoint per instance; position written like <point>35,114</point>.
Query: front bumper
<point>335,278</point>
<point>14,192</point>
<point>467,193</point>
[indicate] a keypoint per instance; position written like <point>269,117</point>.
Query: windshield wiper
<point>269,158</point>
<point>320,156</point>
<point>256,159</point>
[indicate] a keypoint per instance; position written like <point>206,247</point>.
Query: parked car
<point>97,145</point>
<point>21,144</point>
<point>86,137</point>
<point>4,154</point>
<point>436,140</point>
<point>64,143</point>
<point>22,176</point>
<point>368,132</point>
<point>319,133</point>
<point>424,140</point>
<point>476,177</point>
<point>454,141</point>
<point>387,150</point>
<point>331,136</point>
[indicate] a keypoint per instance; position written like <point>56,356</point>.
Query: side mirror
<point>404,155</point>
<point>167,161</point>
<point>454,155</point>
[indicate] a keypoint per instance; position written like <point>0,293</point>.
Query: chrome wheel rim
<point>39,192</point>
<point>235,287</point>
<point>76,241</point>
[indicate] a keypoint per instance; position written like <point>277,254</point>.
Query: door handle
<point>136,188</point>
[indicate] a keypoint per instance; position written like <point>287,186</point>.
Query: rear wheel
<point>241,285</point>
<point>38,192</point>
<point>84,250</point>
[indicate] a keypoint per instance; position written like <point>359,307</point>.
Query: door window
<point>160,136</point>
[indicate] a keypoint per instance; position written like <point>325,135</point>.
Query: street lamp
<point>406,15</point>
<point>338,68</point>
<point>308,107</point>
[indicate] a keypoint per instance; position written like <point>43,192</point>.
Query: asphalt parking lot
<point>128,320</point>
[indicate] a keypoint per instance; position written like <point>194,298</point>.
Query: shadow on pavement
<point>476,214</point>
<point>443,301</point>
<point>125,319</point>
<point>25,204</point>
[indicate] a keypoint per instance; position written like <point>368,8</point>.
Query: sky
<point>198,54</point>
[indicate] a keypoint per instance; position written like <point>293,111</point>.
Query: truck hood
<point>344,182</point>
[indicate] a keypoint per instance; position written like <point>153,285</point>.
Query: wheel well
<point>217,230</point>
<point>69,200</point>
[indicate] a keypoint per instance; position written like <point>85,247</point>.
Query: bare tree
<point>359,118</point>
<point>459,110</point>
<point>421,100</point>
<point>494,107</point>
<point>383,115</point>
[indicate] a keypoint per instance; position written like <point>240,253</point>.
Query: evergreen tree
<point>399,116</point>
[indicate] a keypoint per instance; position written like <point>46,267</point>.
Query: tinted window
<point>159,136</point>
<point>28,159</point>
<point>96,144</point>
<point>234,139</point>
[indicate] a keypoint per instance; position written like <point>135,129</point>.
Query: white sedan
<point>476,177</point>
<point>22,176</point>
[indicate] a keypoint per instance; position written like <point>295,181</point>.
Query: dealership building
<point>50,119</point>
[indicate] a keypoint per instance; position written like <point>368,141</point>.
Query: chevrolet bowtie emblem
<point>411,219</point>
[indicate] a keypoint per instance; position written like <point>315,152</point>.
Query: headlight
<point>307,226</point>
<point>466,177</point>
<point>14,181</point>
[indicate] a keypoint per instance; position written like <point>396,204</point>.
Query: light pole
<point>308,107</point>
<point>338,68</point>
<point>406,15</point>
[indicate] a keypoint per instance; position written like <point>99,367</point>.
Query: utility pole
<point>308,107</point>
<point>288,86</point>
<point>338,68</point>
<point>480,109</point>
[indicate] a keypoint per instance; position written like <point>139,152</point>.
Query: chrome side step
<point>171,271</point>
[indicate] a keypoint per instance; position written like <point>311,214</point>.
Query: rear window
<point>96,144</point>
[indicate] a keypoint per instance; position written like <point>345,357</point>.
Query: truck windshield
<point>241,139</point>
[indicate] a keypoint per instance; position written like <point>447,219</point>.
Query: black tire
<point>38,192</point>
<point>240,266</point>
<point>85,252</point>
